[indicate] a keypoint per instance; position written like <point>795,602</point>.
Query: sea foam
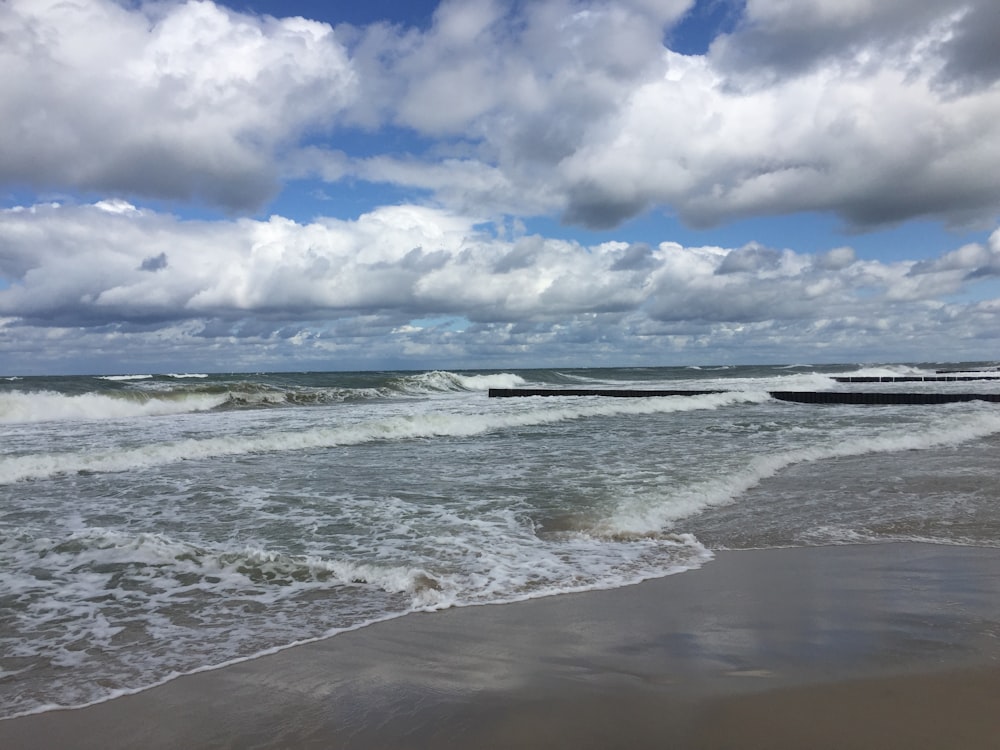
<point>441,380</point>
<point>432,424</point>
<point>645,514</point>
<point>47,406</point>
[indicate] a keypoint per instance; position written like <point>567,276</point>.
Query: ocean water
<point>156,525</point>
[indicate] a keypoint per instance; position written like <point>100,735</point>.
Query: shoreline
<point>814,646</point>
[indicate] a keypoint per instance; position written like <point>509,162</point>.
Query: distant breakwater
<point>913,378</point>
<point>802,397</point>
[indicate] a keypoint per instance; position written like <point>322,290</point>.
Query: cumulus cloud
<point>508,91</point>
<point>863,133</point>
<point>315,289</point>
<point>167,100</point>
<point>878,111</point>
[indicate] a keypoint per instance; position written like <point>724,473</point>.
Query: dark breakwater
<point>801,397</point>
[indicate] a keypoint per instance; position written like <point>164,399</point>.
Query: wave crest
<point>437,381</point>
<point>48,406</point>
<point>434,424</point>
<point>655,513</point>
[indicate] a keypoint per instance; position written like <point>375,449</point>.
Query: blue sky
<point>329,185</point>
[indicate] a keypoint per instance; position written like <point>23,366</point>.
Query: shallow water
<point>157,525</point>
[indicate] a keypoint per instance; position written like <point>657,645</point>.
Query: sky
<point>290,185</point>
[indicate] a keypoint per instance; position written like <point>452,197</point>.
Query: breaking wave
<point>433,424</point>
<point>46,406</point>
<point>647,514</point>
<point>128,396</point>
<point>443,381</point>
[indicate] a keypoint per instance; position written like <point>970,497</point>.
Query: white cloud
<point>878,112</point>
<point>278,288</point>
<point>874,149</point>
<point>167,100</point>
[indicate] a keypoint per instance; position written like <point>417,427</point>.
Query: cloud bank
<point>408,283</point>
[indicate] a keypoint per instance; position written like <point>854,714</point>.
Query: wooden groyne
<point>608,392</point>
<point>847,397</point>
<point>912,378</point>
<point>801,397</point>
<point>981,370</point>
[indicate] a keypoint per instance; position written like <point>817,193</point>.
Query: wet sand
<point>893,645</point>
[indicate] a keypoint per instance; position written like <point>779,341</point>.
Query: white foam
<point>443,381</point>
<point>485,382</point>
<point>86,600</point>
<point>830,535</point>
<point>431,424</point>
<point>46,406</point>
<point>889,371</point>
<point>800,381</point>
<point>649,514</point>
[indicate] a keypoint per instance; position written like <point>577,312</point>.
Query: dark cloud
<point>638,257</point>
<point>751,259</point>
<point>419,260</point>
<point>154,263</point>
<point>233,177</point>
<point>920,189</point>
<point>522,255</point>
<point>835,260</point>
<point>775,41</point>
<point>591,205</point>
<point>972,54</point>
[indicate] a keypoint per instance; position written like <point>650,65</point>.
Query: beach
<point>396,560</point>
<point>877,645</point>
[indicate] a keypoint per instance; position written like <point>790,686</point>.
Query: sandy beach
<point>850,646</point>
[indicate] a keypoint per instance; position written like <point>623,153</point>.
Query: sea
<point>154,525</point>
